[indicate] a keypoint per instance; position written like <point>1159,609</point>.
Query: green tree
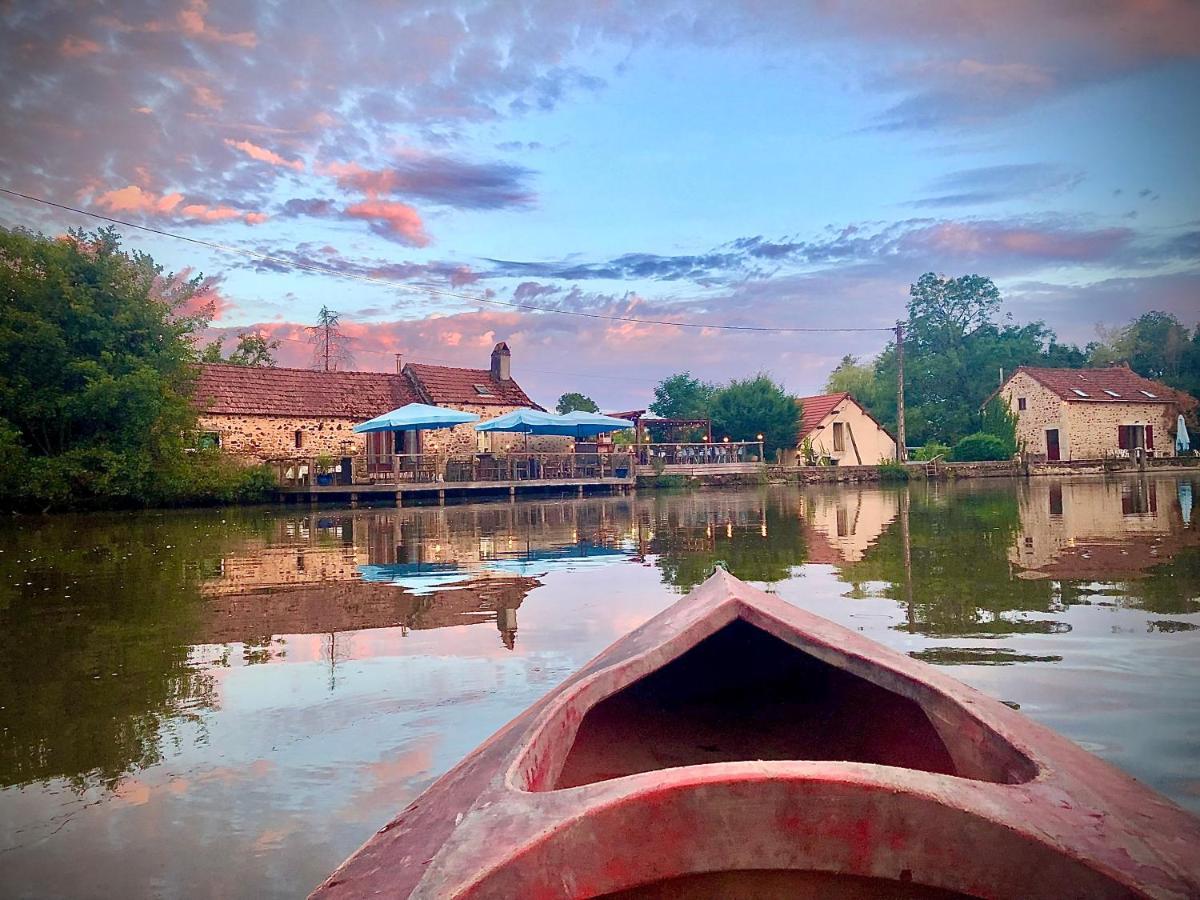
<point>1155,344</point>
<point>99,369</point>
<point>682,397</point>
<point>955,355</point>
<point>744,409</point>
<point>253,349</point>
<point>1000,422</point>
<point>855,378</point>
<point>573,400</point>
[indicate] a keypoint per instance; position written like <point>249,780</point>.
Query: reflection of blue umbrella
<point>416,416</point>
<point>1185,501</point>
<point>1183,443</point>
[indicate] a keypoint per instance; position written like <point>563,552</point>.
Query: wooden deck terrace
<point>698,460</point>
<point>441,476</point>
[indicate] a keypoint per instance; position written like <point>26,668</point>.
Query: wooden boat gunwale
<point>915,681</point>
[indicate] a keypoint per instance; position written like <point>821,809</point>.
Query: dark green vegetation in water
<point>99,364</point>
<point>204,702</point>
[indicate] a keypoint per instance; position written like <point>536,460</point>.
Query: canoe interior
<point>766,884</point>
<point>744,694</point>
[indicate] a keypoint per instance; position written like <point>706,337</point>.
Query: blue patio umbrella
<point>573,424</point>
<point>1183,442</point>
<point>524,421</point>
<point>586,424</point>
<point>416,416</point>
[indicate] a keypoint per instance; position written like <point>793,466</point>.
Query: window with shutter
<point>1122,437</point>
<point>1149,437</point>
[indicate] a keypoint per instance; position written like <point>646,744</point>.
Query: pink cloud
<point>989,239</point>
<point>262,154</point>
<point>73,47</point>
<point>190,21</point>
<point>132,198</point>
<point>394,219</point>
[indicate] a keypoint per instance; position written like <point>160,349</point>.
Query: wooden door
<point>1052,452</point>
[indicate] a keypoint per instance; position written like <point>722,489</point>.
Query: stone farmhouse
<point>278,413</point>
<point>839,429</point>
<point>1068,414</point>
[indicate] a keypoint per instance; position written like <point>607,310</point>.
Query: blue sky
<point>788,164</point>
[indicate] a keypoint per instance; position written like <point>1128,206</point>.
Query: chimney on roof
<point>501,362</point>
<point>399,363</point>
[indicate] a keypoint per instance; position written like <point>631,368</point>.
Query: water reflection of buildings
<point>843,525</point>
<point>1098,530</point>
<point>418,569</point>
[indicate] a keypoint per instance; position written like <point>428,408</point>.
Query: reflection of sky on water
<point>239,699</point>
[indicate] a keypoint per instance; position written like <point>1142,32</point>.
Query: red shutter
<point>1122,438</point>
<point>1149,437</point>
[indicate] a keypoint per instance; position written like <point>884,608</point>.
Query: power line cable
<point>387,282</point>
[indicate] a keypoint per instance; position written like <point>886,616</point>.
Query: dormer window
<point>1080,393</point>
<point>1112,393</point>
<point>483,390</point>
<point>1150,395</point>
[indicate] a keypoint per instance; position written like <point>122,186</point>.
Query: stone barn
<point>1068,414</point>
<point>279,413</point>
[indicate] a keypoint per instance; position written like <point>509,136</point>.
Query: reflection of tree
<point>961,580</point>
<point>97,615</point>
<point>756,543</point>
<point>1171,588</point>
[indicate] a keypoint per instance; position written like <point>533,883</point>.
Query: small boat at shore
<point>737,746</point>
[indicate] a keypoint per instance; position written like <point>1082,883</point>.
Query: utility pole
<point>901,447</point>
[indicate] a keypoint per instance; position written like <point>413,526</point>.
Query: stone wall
<point>1093,426</point>
<point>1086,430</point>
<point>1043,409</point>
<point>274,437</point>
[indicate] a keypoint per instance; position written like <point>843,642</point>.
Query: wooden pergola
<point>641,422</point>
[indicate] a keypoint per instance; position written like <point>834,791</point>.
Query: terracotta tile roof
<point>245,390</point>
<point>1092,385</point>
<point>442,385</point>
<point>815,409</point>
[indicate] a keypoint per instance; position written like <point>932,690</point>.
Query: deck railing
<point>722,453</point>
<point>452,468</point>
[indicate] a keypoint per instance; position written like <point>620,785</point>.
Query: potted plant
<point>325,468</point>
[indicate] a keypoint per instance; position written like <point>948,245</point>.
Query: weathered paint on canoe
<point>735,745</point>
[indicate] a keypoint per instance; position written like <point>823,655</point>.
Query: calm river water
<point>226,704</point>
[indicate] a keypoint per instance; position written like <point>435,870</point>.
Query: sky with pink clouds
<point>787,163</point>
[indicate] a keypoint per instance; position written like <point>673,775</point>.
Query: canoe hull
<point>964,797</point>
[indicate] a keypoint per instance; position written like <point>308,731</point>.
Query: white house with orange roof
<point>837,428</point>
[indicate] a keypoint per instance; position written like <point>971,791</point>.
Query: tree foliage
<point>1000,421</point>
<point>682,397</point>
<point>744,409</point>
<point>573,400</point>
<point>99,368</point>
<point>1157,345</point>
<point>740,410</point>
<point>980,447</point>
<point>253,349</point>
<point>957,351</point>
<point>853,377</point>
